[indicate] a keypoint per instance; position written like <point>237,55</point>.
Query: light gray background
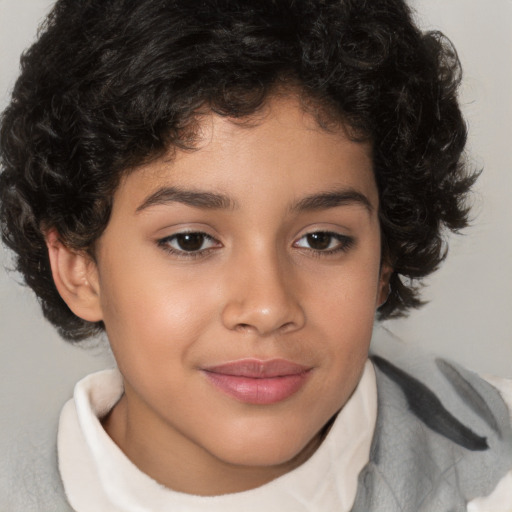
<point>469,317</point>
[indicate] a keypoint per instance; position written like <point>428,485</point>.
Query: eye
<point>188,243</point>
<point>325,242</point>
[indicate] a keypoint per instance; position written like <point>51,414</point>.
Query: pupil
<point>190,241</point>
<point>319,241</point>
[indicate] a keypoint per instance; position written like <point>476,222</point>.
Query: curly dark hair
<point>111,84</point>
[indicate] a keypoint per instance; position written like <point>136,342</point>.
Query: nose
<point>262,297</point>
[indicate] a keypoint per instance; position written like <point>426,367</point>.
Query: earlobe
<point>76,278</point>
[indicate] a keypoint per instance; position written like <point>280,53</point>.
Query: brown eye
<point>319,241</point>
<point>325,242</point>
<point>190,241</point>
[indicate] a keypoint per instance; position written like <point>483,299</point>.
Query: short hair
<point>112,84</point>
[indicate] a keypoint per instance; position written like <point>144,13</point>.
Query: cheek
<point>343,311</point>
<point>347,296</point>
<point>153,315</point>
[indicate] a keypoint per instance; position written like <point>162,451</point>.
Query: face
<point>238,284</point>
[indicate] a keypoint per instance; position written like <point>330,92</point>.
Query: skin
<point>258,287</point>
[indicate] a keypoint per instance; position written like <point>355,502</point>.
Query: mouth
<point>258,382</point>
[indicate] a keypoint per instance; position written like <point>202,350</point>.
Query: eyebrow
<point>215,201</point>
<point>332,199</point>
<point>196,199</point>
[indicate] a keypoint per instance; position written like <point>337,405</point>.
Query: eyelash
<point>344,245</point>
<point>164,243</point>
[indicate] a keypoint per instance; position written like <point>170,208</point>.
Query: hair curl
<point>110,84</point>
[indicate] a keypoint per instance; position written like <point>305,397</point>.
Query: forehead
<point>280,152</point>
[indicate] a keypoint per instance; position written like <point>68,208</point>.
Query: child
<point>231,190</point>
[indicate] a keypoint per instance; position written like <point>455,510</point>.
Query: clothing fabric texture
<point>419,453</point>
<point>417,434</point>
<point>424,457</point>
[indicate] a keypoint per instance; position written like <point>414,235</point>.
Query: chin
<point>268,450</point>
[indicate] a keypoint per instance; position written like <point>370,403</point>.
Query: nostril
<point>265,314</point>
<point>241,327</point>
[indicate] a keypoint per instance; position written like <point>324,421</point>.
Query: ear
<point>76,277</point>
<point>384,290</point>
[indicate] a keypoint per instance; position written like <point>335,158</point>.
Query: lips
<point>258,382</point>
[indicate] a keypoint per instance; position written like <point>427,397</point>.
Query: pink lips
<point>258,382</point>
